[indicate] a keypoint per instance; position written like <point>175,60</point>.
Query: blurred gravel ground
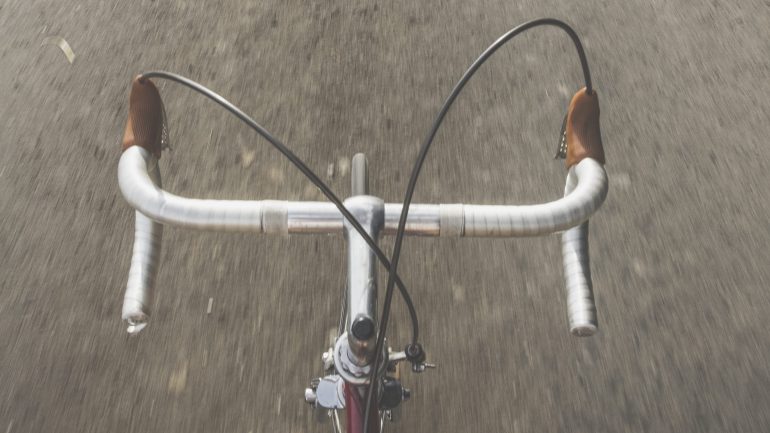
<point>680,250</point>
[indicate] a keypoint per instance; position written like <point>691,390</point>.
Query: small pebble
<point>248,157</point>
<point>344,166</point>
<point>621,180</point>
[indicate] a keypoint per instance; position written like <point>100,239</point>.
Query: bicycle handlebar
<point>137,167</point>
<point>139,179</point>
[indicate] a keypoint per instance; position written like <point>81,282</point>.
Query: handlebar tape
<point>581,307</point>
<point>140,288</point>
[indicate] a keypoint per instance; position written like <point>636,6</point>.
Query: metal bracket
<point>326,392</point>
<point>561,150</point>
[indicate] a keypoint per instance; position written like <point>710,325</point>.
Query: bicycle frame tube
<point>361,321</point>
<point>354,411</point>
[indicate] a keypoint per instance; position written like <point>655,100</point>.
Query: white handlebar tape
<point>585,192</point>
<point>581,309</point>
<point>141,277</point>
<point>140,289</point>
<point>136,171</point>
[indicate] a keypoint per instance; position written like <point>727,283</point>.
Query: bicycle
<point>362,374</point>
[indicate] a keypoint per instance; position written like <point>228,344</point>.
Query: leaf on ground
<point>61,43</point>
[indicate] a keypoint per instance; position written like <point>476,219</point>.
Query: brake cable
<point>418,166</point>
<point>227,105</point>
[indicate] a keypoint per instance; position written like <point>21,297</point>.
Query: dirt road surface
<point>680,249</point>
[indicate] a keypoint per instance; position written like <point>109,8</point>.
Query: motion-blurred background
<point>679,251</point>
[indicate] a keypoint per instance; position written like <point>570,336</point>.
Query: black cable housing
<point>421,159</point>
<point>227,105</point>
